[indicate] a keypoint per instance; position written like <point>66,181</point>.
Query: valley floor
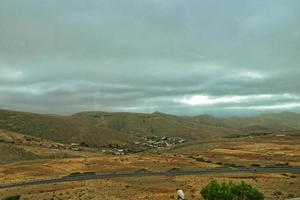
<point>230,152</point>
<point>274,186</point>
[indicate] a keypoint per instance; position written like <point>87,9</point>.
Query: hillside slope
<point>155,124</point>
<point>61,129</point>
<point>100,128</point>
<point>271,121</point>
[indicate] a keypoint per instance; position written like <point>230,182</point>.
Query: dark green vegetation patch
<point>230,191</point>
<point>15,197</point>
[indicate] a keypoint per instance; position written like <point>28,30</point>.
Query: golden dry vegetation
<point>39,169</point>
<point>245,151</point>
<point>274,186</point>
<point>34,158</point>
<point>262,150</point>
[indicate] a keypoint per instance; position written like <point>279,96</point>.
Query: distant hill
<point>60,129</point>
<point>99,128</point>
<point>155,124</point>
<point>271,121</point>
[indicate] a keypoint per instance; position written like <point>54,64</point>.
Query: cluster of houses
<point>150,143</point>
<point>159,142</point>
<point>72,146</point>
<point>120,151</point>
<point>154,143</point>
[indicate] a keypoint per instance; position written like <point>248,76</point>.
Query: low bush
<point>231,165</point>
<point>230,191</point>
<point>15,197</point>
<point>200,159</point>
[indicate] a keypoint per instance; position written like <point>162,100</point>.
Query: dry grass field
<point>238,151</point>
<point>26,158</point>
<point>246,151</point>
<point>274,186</point>
<point>39,169</point>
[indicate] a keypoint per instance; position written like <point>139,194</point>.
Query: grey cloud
<point>63,57</point>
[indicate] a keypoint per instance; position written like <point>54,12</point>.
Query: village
<point>154,144</point>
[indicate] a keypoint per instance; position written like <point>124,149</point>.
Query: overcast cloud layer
<point>222,57</point>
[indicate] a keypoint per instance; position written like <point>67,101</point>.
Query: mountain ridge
<point>100,128</point>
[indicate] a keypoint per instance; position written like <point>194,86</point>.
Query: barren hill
<point>60,129</point>
<point>271,121</point>
<point>99,128</point>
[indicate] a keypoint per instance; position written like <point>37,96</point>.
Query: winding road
<point>174,172</point>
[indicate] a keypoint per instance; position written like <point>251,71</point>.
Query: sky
<point>219,57</point>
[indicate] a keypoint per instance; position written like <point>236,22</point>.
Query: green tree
<point>230,191</point>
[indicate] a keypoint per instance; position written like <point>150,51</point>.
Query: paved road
<point>175,172</point>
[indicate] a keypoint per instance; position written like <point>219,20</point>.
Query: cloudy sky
<point>221,57</point>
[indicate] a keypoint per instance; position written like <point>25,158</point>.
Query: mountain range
<point>100,128</point>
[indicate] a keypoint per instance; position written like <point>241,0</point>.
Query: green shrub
<point>200,159</point>
<point>231,165</point>
<point>230,191</point>
<point>15,197</point>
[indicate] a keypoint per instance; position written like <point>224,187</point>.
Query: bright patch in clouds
<point>251,75</point>
<point>199,100</point>
<point>202,100</point>
<point>269,107</point>
<point>7,74</point>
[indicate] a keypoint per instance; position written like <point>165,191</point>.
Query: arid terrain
<point>30,152</point>
<point>149,99</point>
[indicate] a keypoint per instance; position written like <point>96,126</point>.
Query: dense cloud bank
<point>227,57</point>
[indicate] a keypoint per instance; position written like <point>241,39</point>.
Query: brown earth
<point>274,186</point>
<point>246,151</point>
<point>239,151</point>
<point>35,146</point>
<point>102,128</point>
